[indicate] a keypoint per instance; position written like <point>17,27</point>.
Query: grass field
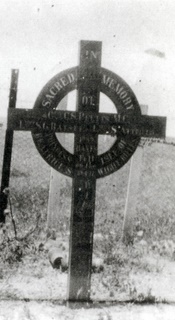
<point>155,218</point>
<point>29,186</point>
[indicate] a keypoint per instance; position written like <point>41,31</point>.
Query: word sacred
<point>60,84</point>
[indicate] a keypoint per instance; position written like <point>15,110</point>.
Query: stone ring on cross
<point>126,106</point>
<point>89,79</point>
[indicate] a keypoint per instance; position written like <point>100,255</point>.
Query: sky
<point>41,38</point>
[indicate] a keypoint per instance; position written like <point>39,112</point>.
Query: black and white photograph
<point>87,153</point>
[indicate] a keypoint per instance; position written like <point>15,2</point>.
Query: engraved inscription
<point>119,90</point>
<point>87,123</point>
<point>59,85</point>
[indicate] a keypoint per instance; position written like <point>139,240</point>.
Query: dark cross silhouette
<point>85,165</point>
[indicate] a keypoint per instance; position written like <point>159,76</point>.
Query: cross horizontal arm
<point>38,120</point>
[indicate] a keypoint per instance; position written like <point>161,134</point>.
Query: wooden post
<point>8,148</point>
<point>56,183</point>
<point>132,190</point>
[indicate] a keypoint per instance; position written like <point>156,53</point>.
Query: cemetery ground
<point>142,272</point>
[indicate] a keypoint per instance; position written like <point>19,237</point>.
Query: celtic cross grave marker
<point>85,165</point>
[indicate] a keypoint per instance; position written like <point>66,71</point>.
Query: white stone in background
<point>133,190</point>
<point>56,183</point>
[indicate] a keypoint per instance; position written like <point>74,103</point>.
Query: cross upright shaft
<point>84,180</point>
